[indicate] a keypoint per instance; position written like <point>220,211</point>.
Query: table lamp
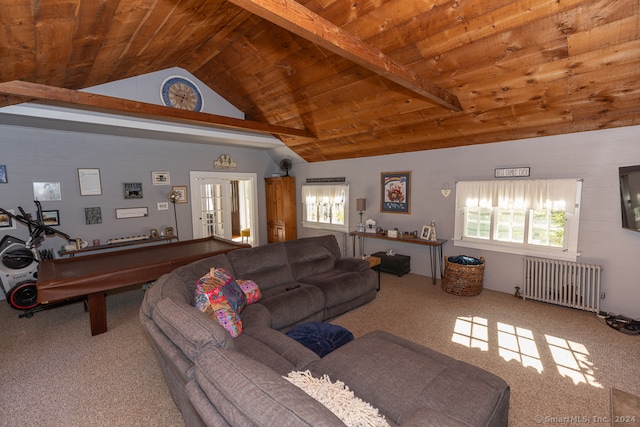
<point>361,206</point>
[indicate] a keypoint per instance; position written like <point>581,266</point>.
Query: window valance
<point>329,192</point>
<point>554,194</point>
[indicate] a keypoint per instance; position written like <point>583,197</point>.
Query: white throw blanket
<point>337,397</point>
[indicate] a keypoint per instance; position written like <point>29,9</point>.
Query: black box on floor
<point>396,264</point>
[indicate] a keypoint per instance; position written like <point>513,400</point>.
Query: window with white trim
<point>528,217</point>
<point>325,206</point>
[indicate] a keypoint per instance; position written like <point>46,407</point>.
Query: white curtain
<point>554,194</point>
<point>319,192</point>
<point>325,206</point>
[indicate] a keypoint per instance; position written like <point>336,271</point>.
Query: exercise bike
<point>19,261</point>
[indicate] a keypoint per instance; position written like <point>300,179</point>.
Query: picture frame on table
<point>395,192</point>
<point>425,234</point>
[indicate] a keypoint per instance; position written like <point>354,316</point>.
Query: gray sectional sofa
<point>218,380</point>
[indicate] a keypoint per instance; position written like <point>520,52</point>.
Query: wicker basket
<point>460,279</point>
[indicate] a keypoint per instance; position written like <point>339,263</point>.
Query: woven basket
<point>460,279</point>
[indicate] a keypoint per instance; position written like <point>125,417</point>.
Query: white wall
<point>592,156</point>
<point>37,155</point>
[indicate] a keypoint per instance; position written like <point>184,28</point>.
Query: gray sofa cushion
<point>266,265</point>
<point>463,393</point>
<point>247,394</point>
<point>339,286</point>
<point>189,329</point>
<point>312,255</point>
<point>299,356</point>
<point>293,303</point>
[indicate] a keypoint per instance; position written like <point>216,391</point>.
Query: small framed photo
<point>395,192</point>
<point>168,231</point>
<point>90,184</point>
<point>182,192</point>
<point>93,215</point>
<point>160,178</point>
<point>425,234</point>
<point>51,218</point>
<point>46,191</point>
<point>132,212</point>
<point>153,233</point>
<point>133,190</point>
<point>6,222</point>
<point>3,174</point>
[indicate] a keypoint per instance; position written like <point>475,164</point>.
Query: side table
<point>374,263</point>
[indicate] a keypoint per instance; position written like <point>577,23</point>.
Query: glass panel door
<point>213,204</point>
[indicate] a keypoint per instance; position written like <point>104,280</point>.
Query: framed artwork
<point>160,178</point>
<point>132,212</point>
<point>133,190</point>
<point>6,222</point>
<point>51,218</point>
<point>90,184</point>
<point>395,192</point>
<point>93,216</point>
<point>3,174</point>
<point>182,191</point>
<point>425,234</point>
<point>46,191</point>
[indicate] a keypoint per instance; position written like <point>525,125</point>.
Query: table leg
<point>97,312</point>
<point>441,259</point>
<point>353,245</point>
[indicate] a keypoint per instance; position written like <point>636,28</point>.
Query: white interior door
<point>211,204</point>
<point>212,209</point>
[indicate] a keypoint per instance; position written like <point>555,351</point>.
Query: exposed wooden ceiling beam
<point>294,17</point>
<point>34,91</point>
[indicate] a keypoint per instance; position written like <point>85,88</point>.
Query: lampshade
<point>361,204</point>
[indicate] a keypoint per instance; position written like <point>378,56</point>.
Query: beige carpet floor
<point>561,363</point>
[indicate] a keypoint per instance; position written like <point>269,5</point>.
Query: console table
<point>92,275</point>
<point>435,248</point>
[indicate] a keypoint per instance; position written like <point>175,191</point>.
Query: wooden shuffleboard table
<point>92,275</point>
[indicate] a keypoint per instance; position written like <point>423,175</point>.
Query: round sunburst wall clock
<point>180,92</point>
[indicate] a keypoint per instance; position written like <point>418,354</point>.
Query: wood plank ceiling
<point>518,68</point>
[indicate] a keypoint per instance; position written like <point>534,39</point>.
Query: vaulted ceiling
<point>340,79</point>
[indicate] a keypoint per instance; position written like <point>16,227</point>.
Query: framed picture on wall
<point>3,174</point>
<point>89,179</point>
<point>51,217</point>
<point>160,178</point>
<point>181,190</point>
<point>46,191</point>
<point>395,192</point>
<point>133,190</point>
<point>6,222</point>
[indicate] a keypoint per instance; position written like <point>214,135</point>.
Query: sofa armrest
<point>245,392</point>
<point>351,264</point>
<point>288,348</point>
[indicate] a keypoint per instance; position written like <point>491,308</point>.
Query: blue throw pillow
<point>321,338</point>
